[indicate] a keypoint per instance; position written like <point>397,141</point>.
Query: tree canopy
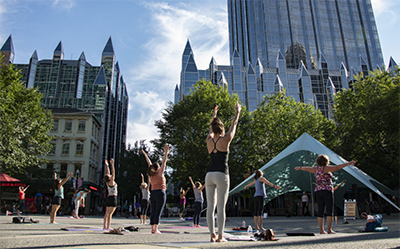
<point>24,123</point>
<point>279,120</point>
<point>368,123</point>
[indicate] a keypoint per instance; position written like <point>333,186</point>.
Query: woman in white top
<point>144,205</point>
<point>111,201</point>
<point>304,204</point>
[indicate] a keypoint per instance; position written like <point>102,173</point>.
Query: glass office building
<point>341,30</point>
<point>311,48</point>
<point>77,84</point>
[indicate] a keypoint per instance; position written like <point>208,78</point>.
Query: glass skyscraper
<point>77,84</point>
<point>310,48</point>
<point>341,30</point>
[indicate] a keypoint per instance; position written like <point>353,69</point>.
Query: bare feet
<point>213,237</point>
<point>53,222</point>
<point>156,232</point>
<point>331,232</point>
<point>322,232</point>
<point>221,239</point>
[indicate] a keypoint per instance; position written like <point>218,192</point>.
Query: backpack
<point>269,235</point>
<point>373,222</point>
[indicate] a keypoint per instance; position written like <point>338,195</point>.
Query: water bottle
<point>243,223</point>
<point>250,231</point>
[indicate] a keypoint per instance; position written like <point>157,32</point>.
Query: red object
<point>93,188</point>
<point>7,178</point>
<point>13,184</point>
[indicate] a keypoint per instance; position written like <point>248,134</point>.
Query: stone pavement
<point>179,234</point>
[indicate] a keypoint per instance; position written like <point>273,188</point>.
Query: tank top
<point>158,182</point>
<point>323,180</point>
<point>21,195</point>
<point>59,192</point>
<point>183,201</point>
<point>145,194</point>
<point>198,197</point>
<point>112,191</point>
<point>260,188</point>
<point>304,198</point>
<point>219,160</point>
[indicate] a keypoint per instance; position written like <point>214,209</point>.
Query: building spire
<point>7,50</point>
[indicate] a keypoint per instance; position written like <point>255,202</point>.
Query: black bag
<point>269,235</point>
<point>24,220</point>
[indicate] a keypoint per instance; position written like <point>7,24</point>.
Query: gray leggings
<point>217,183</point>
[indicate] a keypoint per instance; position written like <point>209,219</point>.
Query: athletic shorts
<point>111,201</point>
<point>56,200</point>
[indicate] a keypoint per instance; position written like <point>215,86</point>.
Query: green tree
<point>279,120</point>
<point>368,125</point>
<point>185,126</point>
<point>24,123</point>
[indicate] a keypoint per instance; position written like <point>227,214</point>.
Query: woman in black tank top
<point>217,178</point>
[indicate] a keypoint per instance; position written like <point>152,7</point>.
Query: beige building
<point>76,148</point>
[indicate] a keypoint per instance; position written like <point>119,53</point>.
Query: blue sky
<point>148,38</point>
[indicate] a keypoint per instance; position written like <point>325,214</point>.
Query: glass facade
<point>341,30</point>
<point>312,48</point>
<point>77,84</point>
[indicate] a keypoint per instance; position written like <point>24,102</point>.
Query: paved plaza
<point>86,233</point>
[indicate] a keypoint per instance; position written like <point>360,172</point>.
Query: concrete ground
<point>179,234</point>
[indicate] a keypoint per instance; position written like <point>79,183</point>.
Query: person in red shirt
<point>21,201</point>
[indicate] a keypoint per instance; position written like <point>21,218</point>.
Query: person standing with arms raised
<point>198,201</point>
<point>58,196</point>
<point>324,189</point>
<point>145,188</point>
<point>158,188</point>
<point>111,201</point>
<point>217,177</point>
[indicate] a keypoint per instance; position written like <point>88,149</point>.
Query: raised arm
<point>142,178</point>
<point>250,184</point>
<point>186,192</point>
<point>308,169</point>
<point>25,188</point>
<point>54,176</point>
<point>112,171</point>
<point>147,158</point>
<point>164,161</point>
<point>340,184</point>
<point>232,130</point>
<point>333,168</point>
<point>107,168</point>
<point>211,133</point>
<point>262,179</point>
<point>191,181</point>
<point>66,179</point>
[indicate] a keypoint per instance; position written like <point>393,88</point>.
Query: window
<point>55,125</point>
<point>78,169</point>
<point>65,147</point>
<point>79,148</point>
<point>63,170</point>
<point>68,125</point>
<point>82,125</point>
<point>53,147</point>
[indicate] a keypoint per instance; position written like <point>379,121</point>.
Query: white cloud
<point>386,8</point>
<point>205,24</point>
<point>64,4</point>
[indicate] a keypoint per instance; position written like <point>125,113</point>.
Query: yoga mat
<point>300,234</point>
<point>166,231</point>
<point>182,227</point>
<point>81,229</point>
